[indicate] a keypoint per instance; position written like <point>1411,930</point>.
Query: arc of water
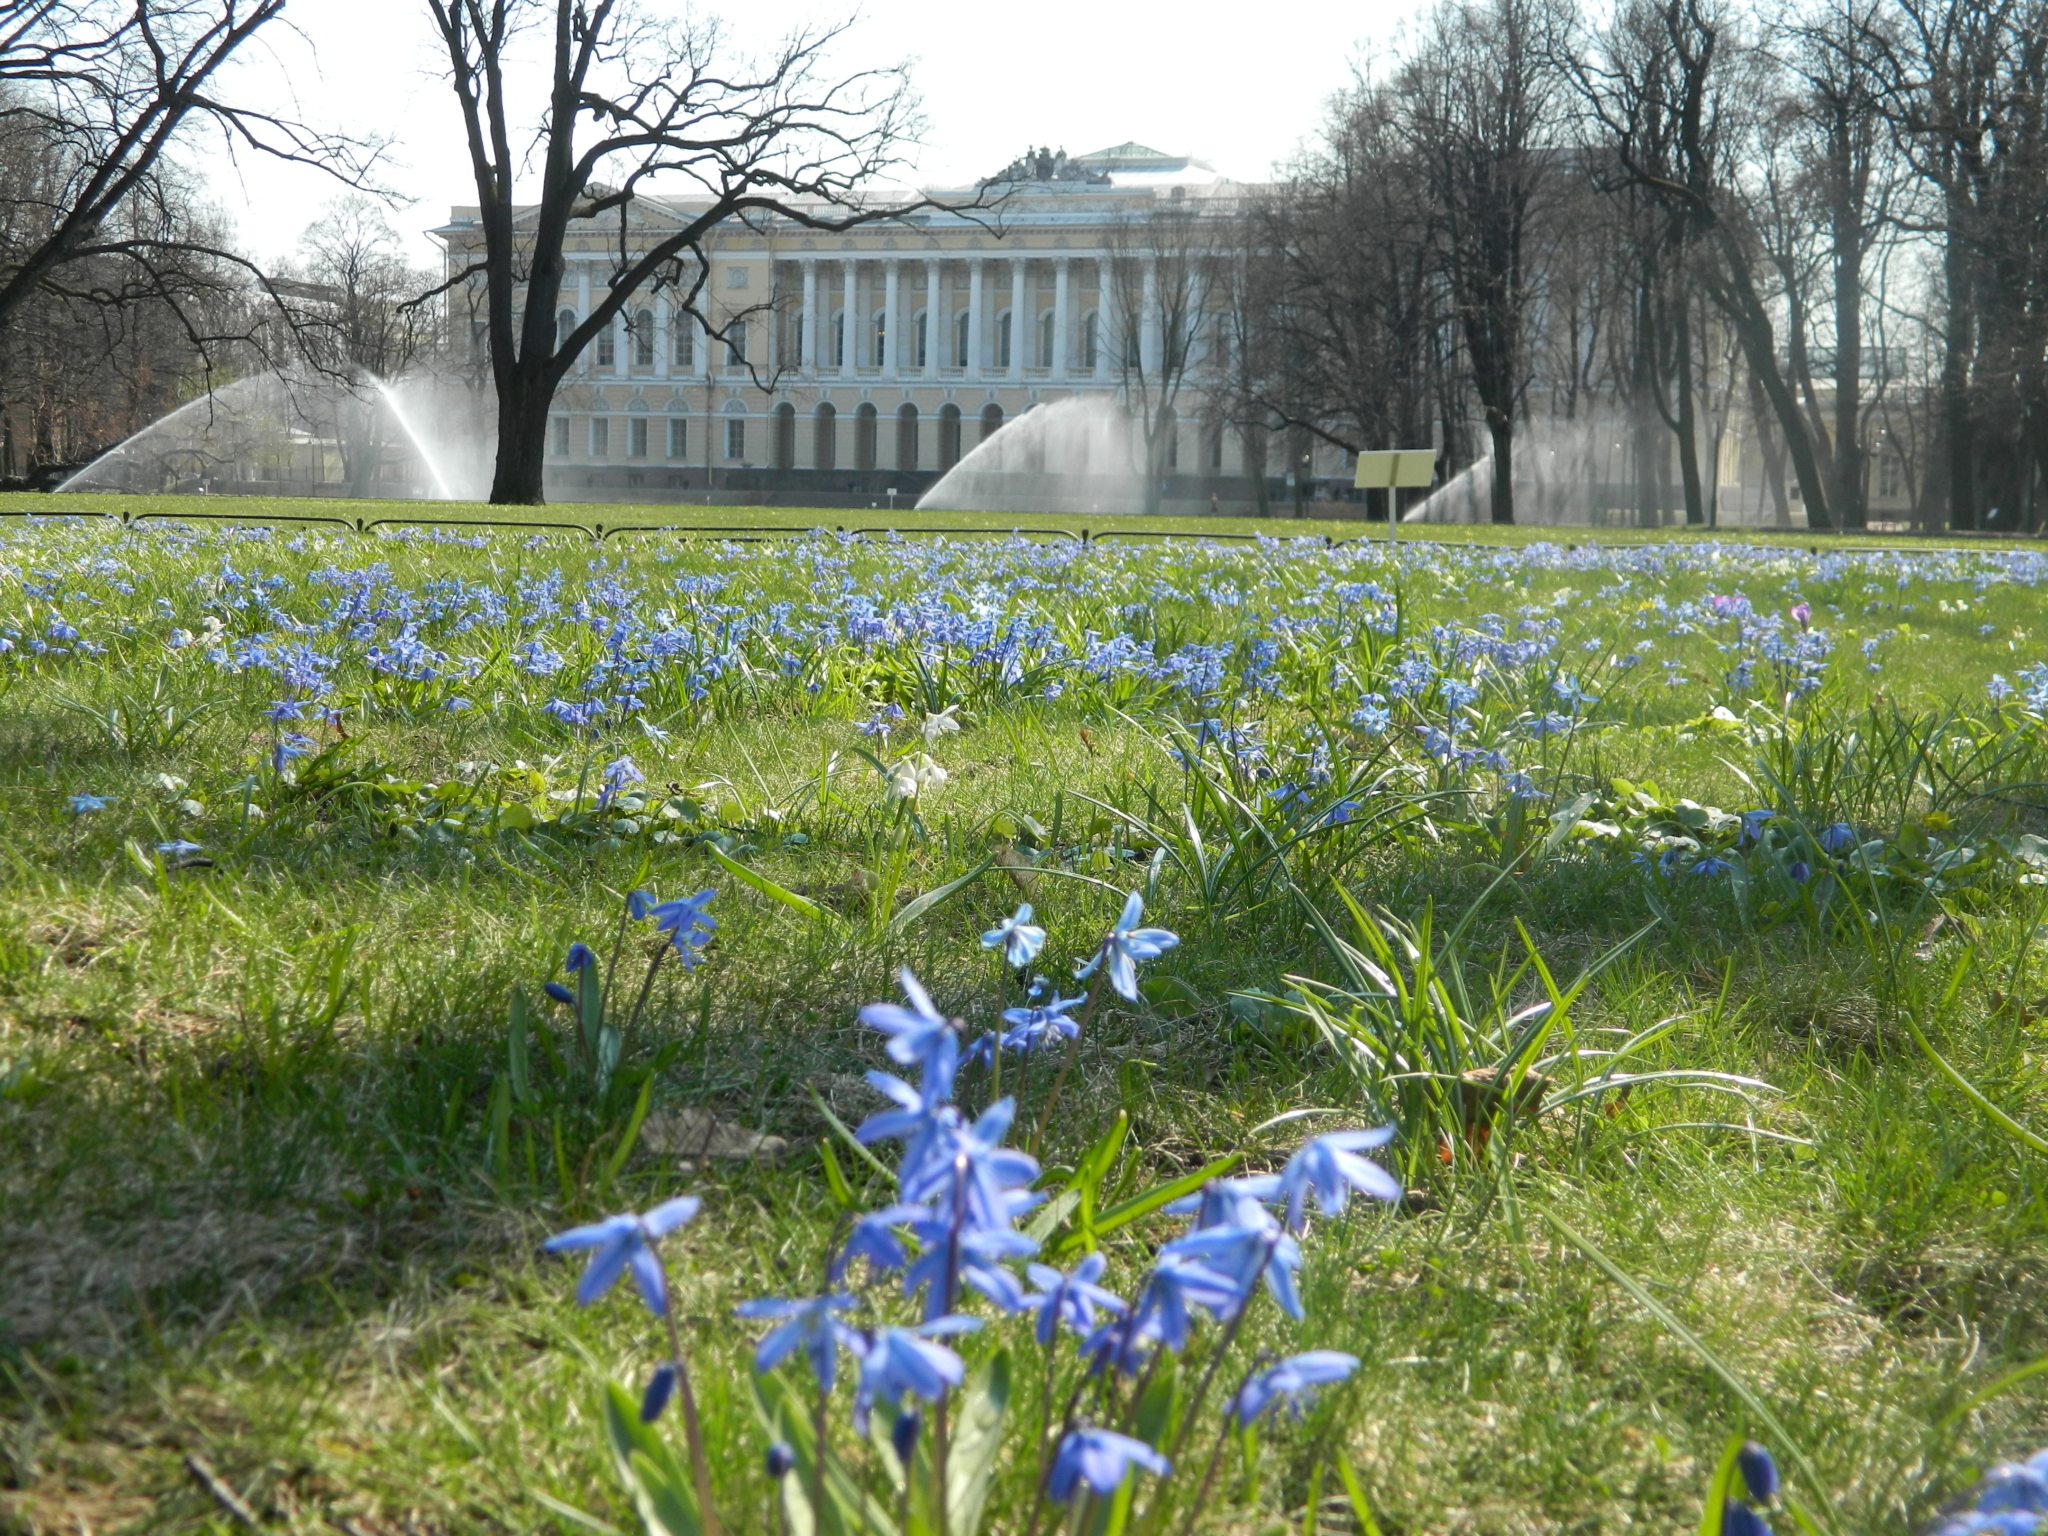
<point>419,444</point>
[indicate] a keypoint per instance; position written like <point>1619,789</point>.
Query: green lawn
<point>274,1172</point>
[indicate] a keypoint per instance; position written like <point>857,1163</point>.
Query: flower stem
<point>1059,1081</point>
<point>693,1430</point>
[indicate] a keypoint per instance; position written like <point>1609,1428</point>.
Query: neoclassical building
<point>860,364</point>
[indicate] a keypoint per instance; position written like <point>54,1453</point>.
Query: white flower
<point>941,724</point>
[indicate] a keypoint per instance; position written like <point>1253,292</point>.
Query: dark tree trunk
<point>522,441</point>
<point>1688,424</point>
<point>1957,423</point>
<point>1848,426</point>
<point>1501,429</point>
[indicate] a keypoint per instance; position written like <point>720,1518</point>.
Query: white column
<point>774,318</point>
<point>809,360</point>
<point>1020,328</point>
<point>622,345</point>
<point>661,325</point>
<point>892,349</point>
<point>1105,326</point>
<point>1060,320</point>
<point>936,330</point>
<point>583,308</point>
<point>850,337</point>
<point>1148,344</point>
<point>974,326</point>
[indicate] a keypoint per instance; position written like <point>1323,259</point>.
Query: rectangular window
<point>678,437</point>
<point>636,438</point>
<point>736,346</point>
<point>559,431</point>
<point>682,330</point>
<point>1890,476</point>
<point>736,438</point>
<point>600,437</point>
<point>643,344</point>
<point>607,348</point>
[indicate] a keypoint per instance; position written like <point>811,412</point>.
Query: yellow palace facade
<point>855,366</point>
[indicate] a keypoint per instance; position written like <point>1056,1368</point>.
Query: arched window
<point>917,341</point>
<point>785,436</point>
<point>864,437</point>
<point>1045,340</point>
<point>736,345</point>
<point>1003,339</point>
<point>881,337</point>
<point>825,439</point>
<point>906,437</point>
<point>682,338</point>
<point>949,436</point>
<point>565,322</point>
<point>607,347</point>
<point>961,339</point>
<point>1088,342</point>
<point>991,421</point>
<point>643,339</point>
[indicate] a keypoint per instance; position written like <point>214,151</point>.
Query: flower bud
<point>780,1460</point>
<point>660,1388</point>
<point>1759,1472</point>
<point>903,1434</point>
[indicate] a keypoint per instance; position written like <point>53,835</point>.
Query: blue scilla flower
<point>1293,1381</point>
<point>976,1256</point>
<point>1179,1284</point>
<point>811,1326</point>
<point>1759,1472</point>
<point>179,848</point>
<point>915,1034</point>
<point>1017,937</point>
<point>688,926</point>
<point>579,959</point>
<point>1034,1029</point>
<point>2017,1486</point>
<point>1126,946</point>
<point>620,1243</point>
<point>87,805</point>
<point>1329,1167</point>
<point>1838,839</point>
<point>1098,1460</point>
<point>1250,1247</point>
<point>1738,1519</point>
<point>1072,1299</point>
<point>290,748</point>
<point>875,1239</point>
<point>965,1168</point>
<point>619,774</point>
<point>896,1363</point>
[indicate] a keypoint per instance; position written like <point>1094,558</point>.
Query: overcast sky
<point>1239,87</point>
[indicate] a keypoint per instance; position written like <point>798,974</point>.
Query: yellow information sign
<point>1401,469</point>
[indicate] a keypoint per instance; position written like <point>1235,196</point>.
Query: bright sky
<point>1238,88</point>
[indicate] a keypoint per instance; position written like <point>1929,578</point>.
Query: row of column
<point>816,362</point>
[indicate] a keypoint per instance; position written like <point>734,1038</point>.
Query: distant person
<point>1214,508</point>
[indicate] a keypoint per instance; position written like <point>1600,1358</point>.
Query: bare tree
<point>105,88</point>
<point>1164,277</point>
<point>1679,60</point>
<point>1482,102</point>
<point>637,106</point>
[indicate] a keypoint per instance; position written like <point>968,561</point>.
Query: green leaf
<point>654,1477</point>
<point>760,882</point>
<point>1138,1207</point>
<point>1361,1510</point>
<point>499,1154</point>
<point>589,1010</point>
<point>835,1179</point>
<point>977,1443</point>
<point>516,1053</point>
<point>916,909</point>
<point>1719,1489</point>
<point>630,1137</point>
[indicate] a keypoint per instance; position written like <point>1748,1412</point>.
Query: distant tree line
<point>1829,219</point>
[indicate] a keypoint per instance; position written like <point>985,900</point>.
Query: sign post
<point>1395,469</point>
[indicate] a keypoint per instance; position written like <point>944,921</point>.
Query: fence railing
<point>1897,540</point>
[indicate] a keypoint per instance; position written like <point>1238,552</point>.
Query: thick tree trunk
<point>1752,322</point>
<point>1848,428</point>
<point>1501,429</point>
<point>522,441</point>
<point>1957,426</point>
